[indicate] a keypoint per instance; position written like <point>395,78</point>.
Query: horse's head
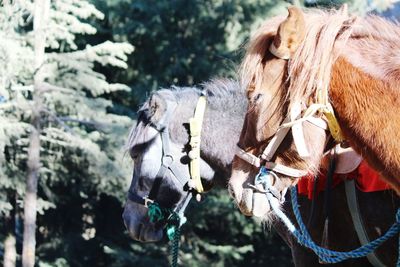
<point>281,132</point>
<point>158,146</point>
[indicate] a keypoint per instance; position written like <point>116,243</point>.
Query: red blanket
<point>366,178</point>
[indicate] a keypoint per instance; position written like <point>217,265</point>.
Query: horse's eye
<point>257,97</point>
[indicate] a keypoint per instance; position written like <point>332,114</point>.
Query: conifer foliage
<point>50,88</point>
<point>66,90</point>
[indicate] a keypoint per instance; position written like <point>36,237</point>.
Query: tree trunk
<point>42,8</point>
<point>10,252</point>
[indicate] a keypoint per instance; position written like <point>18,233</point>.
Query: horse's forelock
<point>144,119</point>
<point>139,128</point>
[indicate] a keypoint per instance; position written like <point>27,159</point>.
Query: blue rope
<point>304,238</point>
<point>398,256</point>
<point>330,256</point>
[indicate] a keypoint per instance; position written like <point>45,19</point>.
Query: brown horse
<point>295,70</point>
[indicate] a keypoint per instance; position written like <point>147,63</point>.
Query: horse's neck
<point>221,130</point>
<point>368,113</point>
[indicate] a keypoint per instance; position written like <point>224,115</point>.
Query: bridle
<point>264,159</point>
<point>268,169</point>
<point>192,184</point>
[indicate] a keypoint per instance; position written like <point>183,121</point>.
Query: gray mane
<point>225,103</point>
<point>216,90</point>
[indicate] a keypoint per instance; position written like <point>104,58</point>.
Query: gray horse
<point>226,107</point>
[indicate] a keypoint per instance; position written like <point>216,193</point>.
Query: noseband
<point>190,184</point>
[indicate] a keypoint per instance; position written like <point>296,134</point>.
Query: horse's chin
<point>138,225</point>
<point>250,202</point>
<point>254,204</point>
<point>146,233</point>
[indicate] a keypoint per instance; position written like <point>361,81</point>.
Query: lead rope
<point>173,227</point>
<point>330,256</point>
<point>304,238</point>
<point>175,247</point>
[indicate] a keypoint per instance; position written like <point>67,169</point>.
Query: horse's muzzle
<point>137,223</point>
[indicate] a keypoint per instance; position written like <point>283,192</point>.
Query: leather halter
<point>190,184</point>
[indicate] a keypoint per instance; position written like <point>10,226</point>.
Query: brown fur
<point>368,112</point>
<point>355,59</point>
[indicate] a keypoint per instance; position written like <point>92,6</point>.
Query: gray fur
<point>224,115</point>
<point>226,107</point>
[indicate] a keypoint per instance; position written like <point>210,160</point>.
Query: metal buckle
<point>147,201</point>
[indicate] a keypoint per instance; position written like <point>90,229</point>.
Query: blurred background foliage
<point>85,172</point>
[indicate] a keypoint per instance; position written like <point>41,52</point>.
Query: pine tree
<point>57,102</point>
<point>360,7</point>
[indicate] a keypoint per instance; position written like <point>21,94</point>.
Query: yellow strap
<point>195,137</point>
<point>334,128</point>
<point>333,124</point>
<point>330,117</point>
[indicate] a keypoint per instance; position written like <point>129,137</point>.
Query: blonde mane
<point>329,34</point>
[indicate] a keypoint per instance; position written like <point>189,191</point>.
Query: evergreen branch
<point>46,87</point>
<point>94,124</point>
<point>59,121</point>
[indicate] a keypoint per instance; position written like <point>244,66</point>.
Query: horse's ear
<point>291,33</point>
<point>157,107</point>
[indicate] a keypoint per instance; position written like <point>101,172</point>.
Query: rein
<point>175,218</point>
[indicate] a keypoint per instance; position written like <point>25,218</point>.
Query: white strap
<point>290,122</point>
<point>298,134</point>
<point>250,158</point>
<point>275,142</point>
<point>279,168</point>
<point>318,122</point>
<point>297,131</point>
